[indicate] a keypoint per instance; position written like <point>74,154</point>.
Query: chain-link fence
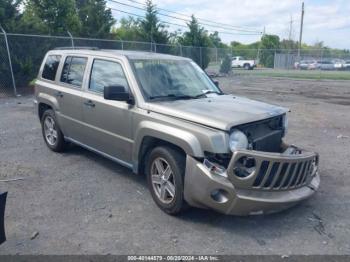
<point>27,51</point>
<point>6,85</point>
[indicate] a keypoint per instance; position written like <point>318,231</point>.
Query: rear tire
<point>247,67</point>
<point>165,171</point>
<point>51,131</point>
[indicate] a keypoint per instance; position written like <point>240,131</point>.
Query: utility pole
<point>301,30</point>
<point>258,53</point>
<point>290,28</point>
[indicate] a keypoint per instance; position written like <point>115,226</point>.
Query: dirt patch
<point>10,170</point>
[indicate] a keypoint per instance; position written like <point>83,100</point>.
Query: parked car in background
<point>296,65</point>
<point>307,65</point>
<point>326,65</point>
<point>347,65</point>
<point>239,61</point>
<point>338,64</point>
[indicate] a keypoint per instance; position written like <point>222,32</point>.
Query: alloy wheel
<point>163,181</point>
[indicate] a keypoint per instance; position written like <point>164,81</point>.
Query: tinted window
<point>106,73</point>
<point>50,67</point>
<point>73,70</point>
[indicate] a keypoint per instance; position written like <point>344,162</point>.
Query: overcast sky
<point>325,20</point>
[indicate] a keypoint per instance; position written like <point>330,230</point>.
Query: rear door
<point>69,95</point>
<point>108,123</point>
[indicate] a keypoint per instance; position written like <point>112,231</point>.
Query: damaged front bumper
<point>274,182</point>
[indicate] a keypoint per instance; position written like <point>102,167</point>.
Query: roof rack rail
<point>77,48</point>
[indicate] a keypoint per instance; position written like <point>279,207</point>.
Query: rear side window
<point>106,73</point>
<point>73,70</point>
<point>50,67</point>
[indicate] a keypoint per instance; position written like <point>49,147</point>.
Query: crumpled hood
<point>218,111</point>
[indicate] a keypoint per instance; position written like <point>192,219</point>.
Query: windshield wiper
<point>173,96</point>
<point>207,92</point>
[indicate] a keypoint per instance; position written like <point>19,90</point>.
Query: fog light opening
<point>219,195</point>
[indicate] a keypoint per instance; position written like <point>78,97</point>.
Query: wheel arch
<point>149,143</point>
<point>46,100</point>
<point>152,135</point>
<point>246,64</point>
<point>42,107</point>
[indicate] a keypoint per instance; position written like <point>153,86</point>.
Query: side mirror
<point>117,93</point>
<point>216,82</point>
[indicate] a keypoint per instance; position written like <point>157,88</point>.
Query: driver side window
<point>106,73</point>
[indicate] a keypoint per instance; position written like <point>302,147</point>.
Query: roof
<point>113,52</point>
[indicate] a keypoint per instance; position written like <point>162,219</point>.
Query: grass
<point>297,74</point>
<point>294,74</point>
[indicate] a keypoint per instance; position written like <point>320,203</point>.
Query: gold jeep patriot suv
<point>162,116</point>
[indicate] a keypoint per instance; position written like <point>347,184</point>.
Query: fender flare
<point>179,137</point>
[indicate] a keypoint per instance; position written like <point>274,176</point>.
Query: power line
<point>171,11</point>
<point>165,22</point>
<point>182,19</point>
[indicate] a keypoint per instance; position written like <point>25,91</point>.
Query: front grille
<point>271,171</point>
<point>279,175</point>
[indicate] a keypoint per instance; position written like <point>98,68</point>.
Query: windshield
<point>172,79</point>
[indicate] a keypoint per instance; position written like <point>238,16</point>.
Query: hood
<point>218,111</point>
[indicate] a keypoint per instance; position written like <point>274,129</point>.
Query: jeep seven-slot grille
<point>282,175</point>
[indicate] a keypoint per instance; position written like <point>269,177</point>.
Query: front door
<point>108,123</point>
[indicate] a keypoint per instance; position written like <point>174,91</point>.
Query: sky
<point>324,20</point>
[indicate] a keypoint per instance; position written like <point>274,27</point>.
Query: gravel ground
<point>81,203</point>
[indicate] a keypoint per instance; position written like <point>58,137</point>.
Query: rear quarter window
<point>50,67</point>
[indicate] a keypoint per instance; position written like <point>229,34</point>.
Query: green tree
<point>216,41</point>
<point>53,17</point>
<point>198,38</point>
<point>288,44</point>
<point>248,51</point>
<point>269,45</point>
<point>9,14</point>
<point>151,28</point>
<point>95,18</point>
<point>128,29</point>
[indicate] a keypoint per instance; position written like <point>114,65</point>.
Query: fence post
<point>216,54</point>
<point>180,49</point>
<point>200,56</point>
<point>121,40</point>
<point>10,62</point>
<point>71,38</point>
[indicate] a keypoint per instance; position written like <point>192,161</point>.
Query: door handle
<point>89,103</point>
<point>59,94</point>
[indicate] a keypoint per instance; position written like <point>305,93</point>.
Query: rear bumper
<point>238,197</point>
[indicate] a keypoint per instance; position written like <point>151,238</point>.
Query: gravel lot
<point>81,203</point>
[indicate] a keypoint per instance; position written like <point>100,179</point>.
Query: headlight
<point>285,124</point>
<point>238,140</point>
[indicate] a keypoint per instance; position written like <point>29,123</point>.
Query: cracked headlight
<point>238,140</point>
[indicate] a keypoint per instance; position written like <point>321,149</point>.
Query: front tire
<point>165,170</point>
<point>51,131</point>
